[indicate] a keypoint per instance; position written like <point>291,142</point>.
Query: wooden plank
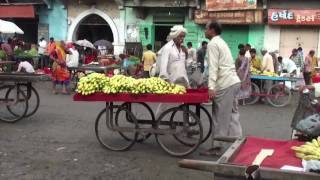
<point>232,151</point>
<point>225,138</point>
<point>238,171</point>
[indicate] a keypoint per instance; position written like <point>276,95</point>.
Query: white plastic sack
<point>317,89</point>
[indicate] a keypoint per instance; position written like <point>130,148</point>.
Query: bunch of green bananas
<point>92,83</point>
<point>308,151</point>
<point>254,71</point>
<point>122,84</point>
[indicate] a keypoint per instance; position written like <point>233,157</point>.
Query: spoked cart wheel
<point>110,134</point>
<point>203,115</point>
<point>145,118</point>
<point>32,96</point>
<point>173,131</point>
<point>279,95</point>
<point>253,98</point>
<point>13,105</point>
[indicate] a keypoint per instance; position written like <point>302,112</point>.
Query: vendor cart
<point>179,129</point>
<point>235,163</point>
<point>6,66</point>
<point>276,94</point>
<point>19,99</point>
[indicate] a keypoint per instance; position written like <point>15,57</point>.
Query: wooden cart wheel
<point>169,129</point>
<point>279,95</point>
<point>144,122</point>
<point>108,135</point>
<point>206,121</point>
<point>33,100</point>
<point>254,90</point>
<point>17,102</point>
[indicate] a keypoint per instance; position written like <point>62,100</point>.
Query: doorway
<point>162,30</point>
<point>94,28</point>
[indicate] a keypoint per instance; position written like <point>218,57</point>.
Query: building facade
<point>96,20</point>
<point>37,18</point>
<point>292,24</point>
<point>273,24</point>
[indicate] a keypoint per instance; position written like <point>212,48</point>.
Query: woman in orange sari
<point>60,73</point>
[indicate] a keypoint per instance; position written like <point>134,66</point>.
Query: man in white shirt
<point>72,59</point>
<point>267,62</point>
<point>223,84</point>
<point>287,66</point>
<point>41,50</point>
<point>247,47</point>
<point>25,66</point>
<point>173,58</point>
<point>192,54</point>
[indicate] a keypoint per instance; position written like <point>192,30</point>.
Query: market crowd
<point>228,78</point>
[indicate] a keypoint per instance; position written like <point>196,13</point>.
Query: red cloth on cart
<point>192,96</point>
<point>316,79</point>
<point>283,155</point>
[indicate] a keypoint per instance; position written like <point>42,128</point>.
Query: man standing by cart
<point>224,85</point>
<point>173,61</point>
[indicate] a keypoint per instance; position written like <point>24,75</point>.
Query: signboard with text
<point>294,17</point>
<point>230,17</point>
<point>223,5</point>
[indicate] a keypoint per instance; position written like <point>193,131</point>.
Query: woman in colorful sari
<point>243,71</point>
<point>60,73</point>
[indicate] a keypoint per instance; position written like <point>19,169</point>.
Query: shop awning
<point>25,11</point>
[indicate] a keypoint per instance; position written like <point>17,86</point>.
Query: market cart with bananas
<point>127,118</point>
<point>19,99</point>
<point>264,159</point>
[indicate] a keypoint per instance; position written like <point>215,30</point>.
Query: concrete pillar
<point>272,37</point>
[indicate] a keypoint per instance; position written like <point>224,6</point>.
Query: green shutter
<point>149,39</point>
<point>235,35</point>
<point>192,35</point>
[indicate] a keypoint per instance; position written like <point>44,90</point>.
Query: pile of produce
<point>308,151</point>
<point>255,71</point>
<point>96,82</point>
<point>2,55</point>
<point>25,54</point>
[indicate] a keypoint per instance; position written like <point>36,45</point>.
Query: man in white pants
<point>173,61</point>
<point>223,84</point>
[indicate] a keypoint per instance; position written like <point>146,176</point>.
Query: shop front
<point>156,27</point>
<point>94,21</point>
<point>23,16</point>
<point>298,28</point>
<point>239,27</point>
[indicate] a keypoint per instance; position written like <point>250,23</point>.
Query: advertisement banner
<point>224,5</point>
<point>294,17</point>
<point>230,17</point>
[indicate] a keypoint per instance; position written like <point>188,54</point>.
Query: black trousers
<point>146,74</point>
<point>307,77</point>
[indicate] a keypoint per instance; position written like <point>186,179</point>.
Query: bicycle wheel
<point>279,95</point>
<point>147,120</point>
<point>253,99</point>
<point>205,119</point>
<point>33,100</point>
<point>179,127</point>
<point>109,137</point>
<point>18,104</point>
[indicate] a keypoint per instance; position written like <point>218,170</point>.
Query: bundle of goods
<point>309,150</point>
<point>96,82</point>
<point>255,71</point>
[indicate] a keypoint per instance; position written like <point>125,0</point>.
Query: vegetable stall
<point>119,126</point>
